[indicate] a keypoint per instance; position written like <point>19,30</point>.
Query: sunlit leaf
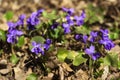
<point>9,15</point>
<point>79,59</point>
<point>20,42</point>
<point>111,60</point>
<point>62,54</point>
<point>14,59</point>
<point>114,35</point>
<point>2,35</point>
<point>72,54</point>
<point>38,39</point>
<point>82,30</point>
<point>51,15</point>
<point>32,76</point>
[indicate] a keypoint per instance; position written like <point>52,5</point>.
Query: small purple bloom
<point>69,21</point>
<point>48,41</point>
<point>108,44</point>
<point>66,28</point>
<point>37,48</point>
<point>46,46</point>
<point>12,36</point>
<point>93,36</point>
<point>40,12</point>
<point>80,19</point>
<point>69,11</point>
<point>85,37</point>
<point>91,52</point>
<point>20,22</point>
<point>11,39</point>
<point>16,32</point>
<point>77,36</point>
<point>82,38</point>
<point>54,25</point>
<point>11,26</point>
<point>104,32</point>
<point>33,20</point>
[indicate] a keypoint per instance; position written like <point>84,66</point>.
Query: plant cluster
<point>45,30</point>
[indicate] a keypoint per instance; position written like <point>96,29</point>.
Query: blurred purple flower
<point>82,38</point>
<point>47,44</point>
<point>12,36</point>
<point>108,44</point>
<point>80,19</point>
<point>66,28</point>
<point>69,20</point>
<point>20,21</point>
<point>105,34</point>
<point>33,20</point>
<point>11,26</point>
<point>70,11</point>
<point>93,35</point>
<point>37,48</point>
<point>16,33</point>
<point>11,39</point>
<point>54,25</point>
<point>91,52</point>
<point>48,41</point>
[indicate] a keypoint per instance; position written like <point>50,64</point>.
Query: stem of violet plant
<point>12,49</point>
<point>91,68</point>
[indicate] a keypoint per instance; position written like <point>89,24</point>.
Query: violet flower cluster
<point>13,32</point>
<point>96,37</point>
<point>33,20</point>
<point>70,20</point>
<point>77,20</point>
<point>40,48</point>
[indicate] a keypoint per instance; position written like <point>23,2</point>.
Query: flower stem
<point>12,49</point>
<point>91,68</point>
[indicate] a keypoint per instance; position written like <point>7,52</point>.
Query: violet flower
<point>37,48</point>
<point>93,36</point>
<point>82,38</point>
<point>66,28</point>
<point>91,52</point>
<point>33,20</point>
<point>69,20</point>
<point>54,25</point>
<point>20,22</point>
<point>11,39</point>
<point>80,19</point>
<point>70,11</point>
<point>108,44</point>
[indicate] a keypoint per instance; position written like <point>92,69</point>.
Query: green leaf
<point>14,59</point>
<point>38,39</point>
<point>114,35</point>
<point>32,76</point>
<point>9,15</point>
<point>20,41</point>
<point>111,60</point>
<point>55,33</point>
<point>2,35</point>
<point>72,55</point>
<point>51,15</point>
<point>119,64</point>
<point>79,59</point>
<point>62,54</point>
<point>83,29</point>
